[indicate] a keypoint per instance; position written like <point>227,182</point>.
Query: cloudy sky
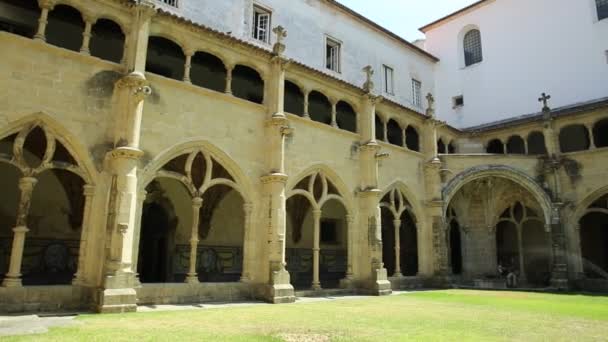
<point>404,17</point>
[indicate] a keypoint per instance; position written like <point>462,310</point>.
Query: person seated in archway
<point>512,277</point>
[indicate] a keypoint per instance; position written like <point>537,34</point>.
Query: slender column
<point>247,211</point>
<point>13,277</point>
<point>591,138</point>
<point>141,199</point>
<point>192,277</point>
<point>316,284</point>
<point>397,225</point>
<point>385,131</point>
<point>45,6</point>
<point>334,121</point>
<point>504,148</point>
<point>79,278</point>
<point>306,104</point>
<point>86,35</point>
<point>520,247</point>
<point>188,65</point>
<point>229,69</point>
<point>526,147</point>
<point>350,247</point>
<point>403,138</point>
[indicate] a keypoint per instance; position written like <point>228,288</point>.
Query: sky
<point>404,17</point>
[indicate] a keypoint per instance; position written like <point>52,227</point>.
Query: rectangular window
<point>332,54</point>
<point>389,82</point>
<point>417,93</point>
<point>172,3</point>
<point>261,25</point>
<point>602,9</point>
<point>457,102</point>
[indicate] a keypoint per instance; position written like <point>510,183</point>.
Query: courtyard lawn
<point>451,315</point>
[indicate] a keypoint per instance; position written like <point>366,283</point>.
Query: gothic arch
<point>57,132</point>
<point>240,181</point>
<point>414,206</point>
<point>506,172</point>
<point>581,208</point>
<point>332,178</point>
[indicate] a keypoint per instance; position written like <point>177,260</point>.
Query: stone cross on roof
<point>545,99</point>
<point>368,86</point>
<point>281,33</point>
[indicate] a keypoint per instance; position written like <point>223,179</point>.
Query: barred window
<point>472,48</point>
<point>172,3</point>
<point>417,93</point>
<point>602,9</point>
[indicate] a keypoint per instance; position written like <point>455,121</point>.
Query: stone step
<point>324,293</point>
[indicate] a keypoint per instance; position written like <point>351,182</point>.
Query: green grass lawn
<point>452,315</point>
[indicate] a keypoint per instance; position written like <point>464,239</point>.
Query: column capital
<point>197,203</point>
<point>317,213</point>
<point>88,190</point>
<point>20,229</point>
<point>47,4</point>
<point>126,153</point>
<point>89,18</point>
<point>146,8</point>
<point>274,178</point>
<point>27,183</point>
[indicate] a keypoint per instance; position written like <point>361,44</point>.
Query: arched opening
<point>600,133</point>
<point>9,201</point>
<point>394,133</point>
<point>495,146</point>
<point>507,246</point>
<point>107,40</point>
<point>294,99</point>
<point>208,71</point>
<point>412,139</point>
<point>65,28</point>
<point>165,58</point>
<point>319,107</point>
<point>537,253</point>
<point>19,17</point>
<point>379,128</point>
<point>473,53</point>
<point>441,146</point>
<point>455,248</point>
<point>346,117</point>
<point>299,242</point>
<point>247,84</point>
<point>163,215</point>
<point>574,138</point>
<point>516,145</point>
<point>536,144</point>
<point>55,226</point>
<point>451,148</point>
<point>399,235</point>
<point>594,239</point>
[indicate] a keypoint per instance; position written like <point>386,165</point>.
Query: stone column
<point>369,196</point>
<point>520,247</point>
<point>141,199</point>
<point>306,104</point>
<point>79,278</point>
<point>279,288</point>
<point>350,245</point>
<point>89,21</point>
<point>316,249</point>
<point>192,277</point>
<point>384,130</point>
<point>403,138</point>
<point>591,137</point>
<point>188,65</point>
<point>13,276</point>
<point>229,69</point>
<point>397,225</point>
<point>45,6</point>
<point>334,121</point>
<point>247,246</point>
<point>559,274</point>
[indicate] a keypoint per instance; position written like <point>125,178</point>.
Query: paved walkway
<point>34,324</point>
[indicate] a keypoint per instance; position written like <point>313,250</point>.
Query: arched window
<point>19,17</point>
<point>379,128</point>
<point>496,147</point>
<point>395,133</point>
<point>107,40</point>
<point>451,148</point>
<point>412,140</point>
<point>440,146</point>
<point>516,145</point>
<point>208,71</point>
<point>472,48</point>
<point>574,138</point>
<point>165,58</point>
<point>65,28</point>
<point>294,99</point>
<point>247,84</point>
<point>600,133</point>
<point>346,117</point>
<point>319,107</point>
<point>536,144</point>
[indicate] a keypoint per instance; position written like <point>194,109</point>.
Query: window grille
<point>389,82</point>
<point>332,50</point>
<point>472,48</point>
<point>458,101</point>
<point>261,25</point>
<point>602,9</point>
<point>417,93</point>
<point>172,3</point>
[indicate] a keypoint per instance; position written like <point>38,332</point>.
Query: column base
<point>280,290</point>
<point>117,301</point>
<point>347,283</point>
<point>316,287</point>
<point>12,282</point>
<point>381,286</point>
<point>192,279</point>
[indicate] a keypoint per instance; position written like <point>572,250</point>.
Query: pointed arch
<point>56,132</point>
<point>414,205</point>
<point>344,194</point>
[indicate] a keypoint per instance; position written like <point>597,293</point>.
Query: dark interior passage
<point>247,84</point>
<point>594,244</point>
<point>65,28</point>
<point>165,58</point>
<point>19,17</point>
<point>107,40</point>
<point>208,71</point>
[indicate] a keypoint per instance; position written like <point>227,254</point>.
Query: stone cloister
<point>150,160</point>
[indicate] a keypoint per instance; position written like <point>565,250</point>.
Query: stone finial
<point>279,47</point>
<point>430,111</point>
<point>368,86</point>
<point>545,99</point>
